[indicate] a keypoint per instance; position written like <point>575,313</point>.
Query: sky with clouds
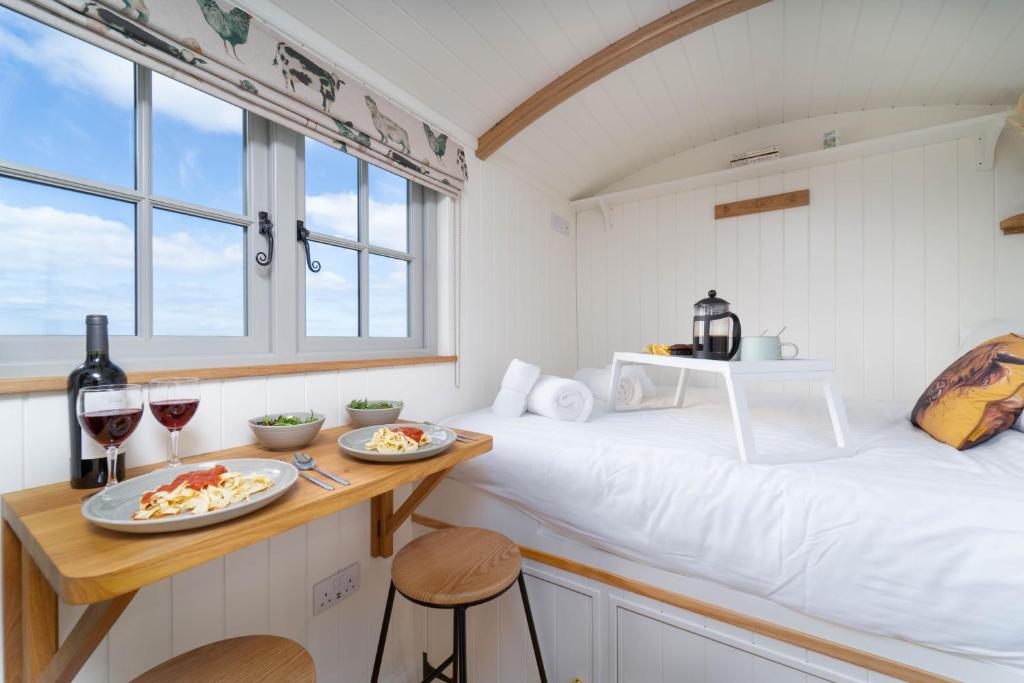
<point>67,106</point>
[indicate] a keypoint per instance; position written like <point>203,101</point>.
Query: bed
<point>907,538</point>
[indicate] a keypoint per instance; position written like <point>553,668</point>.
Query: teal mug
<point>766,348</point>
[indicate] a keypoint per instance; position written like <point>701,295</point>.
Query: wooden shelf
<point>1014,225</point>
<point>34,385</point>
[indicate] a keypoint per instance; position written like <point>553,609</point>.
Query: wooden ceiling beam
<point>646,39</point>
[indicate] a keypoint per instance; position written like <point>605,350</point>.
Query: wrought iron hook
<point>302,232</point>
<point>267,230</point>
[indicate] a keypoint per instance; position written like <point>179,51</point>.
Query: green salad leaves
<point>364,404</point>
<point>289,420</point>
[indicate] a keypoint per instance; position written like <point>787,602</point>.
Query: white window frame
<point>274,295</point>
<point>38,354</point>
<point>422,291</point>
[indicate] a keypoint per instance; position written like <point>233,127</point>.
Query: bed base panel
<point>463,504</point>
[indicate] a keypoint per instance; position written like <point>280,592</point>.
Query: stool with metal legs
<point>455,569</point>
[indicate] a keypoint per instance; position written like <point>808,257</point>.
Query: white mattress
<point>908,538</point>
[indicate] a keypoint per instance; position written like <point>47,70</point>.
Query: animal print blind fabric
<point>223,50</point>
<point>977,397</point>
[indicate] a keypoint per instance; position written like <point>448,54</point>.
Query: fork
<point>458,437</point>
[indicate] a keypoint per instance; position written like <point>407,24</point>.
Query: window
<point>128,193</point>
<point>366,232</point>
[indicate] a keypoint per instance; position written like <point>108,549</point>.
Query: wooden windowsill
<point>32,385</point>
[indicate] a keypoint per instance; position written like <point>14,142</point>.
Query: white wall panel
<point>897,254</point>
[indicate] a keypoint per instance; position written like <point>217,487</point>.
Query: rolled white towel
<point>634,384</point>
<point>561,398</point>
<point>515,387</point>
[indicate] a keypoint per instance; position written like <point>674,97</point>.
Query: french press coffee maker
<point>716,331</point>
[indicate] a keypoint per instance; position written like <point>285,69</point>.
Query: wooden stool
<point>249,658</point>
<point>456,569</point>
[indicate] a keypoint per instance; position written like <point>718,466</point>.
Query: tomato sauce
<point>197,480</point>
<point>411,432</point>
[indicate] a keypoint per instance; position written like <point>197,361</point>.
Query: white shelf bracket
<point>985,145</point>
<point>606,211</point>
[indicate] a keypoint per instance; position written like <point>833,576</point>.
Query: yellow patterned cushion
<point>977,397</point>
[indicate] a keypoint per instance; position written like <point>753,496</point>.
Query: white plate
<point>113,509</point>
<point>354,443</point>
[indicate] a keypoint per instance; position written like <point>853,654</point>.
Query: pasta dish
<point>398,440</point>
<point>200,491</point>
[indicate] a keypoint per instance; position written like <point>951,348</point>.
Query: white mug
<point>765,348</point>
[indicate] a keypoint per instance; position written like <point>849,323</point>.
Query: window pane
<point>65,255</point>
<point>198,276</point>
<point>388,213</point>
<point>331,191</point>
<point>332,295</point>
<point>198,147</point>
<point>65,105</point>
<point>389,297</point>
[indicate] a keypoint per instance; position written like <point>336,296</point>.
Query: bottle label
<point>90,449</point>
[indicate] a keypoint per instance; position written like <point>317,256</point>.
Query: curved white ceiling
<point>475,60</point>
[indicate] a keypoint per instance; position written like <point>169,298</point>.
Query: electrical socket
<point>335,588</point>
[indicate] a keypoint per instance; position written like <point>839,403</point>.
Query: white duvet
<point>908,538</point>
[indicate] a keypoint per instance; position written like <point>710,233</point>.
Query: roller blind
<point>223,50</point>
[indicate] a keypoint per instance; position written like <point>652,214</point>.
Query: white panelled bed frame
<point>606,619</point>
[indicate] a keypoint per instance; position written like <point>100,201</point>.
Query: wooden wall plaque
<point>772,202</point>
<point>1014,225</point>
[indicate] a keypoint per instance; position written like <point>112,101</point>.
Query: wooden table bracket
<point>384,522</point>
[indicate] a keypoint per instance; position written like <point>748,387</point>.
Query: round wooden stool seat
<point>248,658</point>
<point>458,566</point>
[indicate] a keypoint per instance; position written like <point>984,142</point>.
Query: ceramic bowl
<point>378,416</point>
<point>285,437</point>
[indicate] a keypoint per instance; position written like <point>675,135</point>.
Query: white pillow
<point>515,387</point>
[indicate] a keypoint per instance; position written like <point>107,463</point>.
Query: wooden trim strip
<point>828,648</point>
<point>646,39</point>
<point>32,385</point>
<point>772,202</point>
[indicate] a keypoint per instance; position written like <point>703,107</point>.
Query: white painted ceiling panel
<point>474,60</point>
<point>702,53</point>
<point>914,22</point>
<point>732,37</point>
<point>952,26</point>
<point>838,24</point>
<point>993,27</point>
<point>803,18</point>
<point>874,31</point>
<point>767,29</point>
<point>674,68</point>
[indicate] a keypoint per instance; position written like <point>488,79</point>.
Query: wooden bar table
<point>49,548</point>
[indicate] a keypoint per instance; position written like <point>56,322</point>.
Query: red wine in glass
<point>109,414</point>
<point>174,414</point>
<point>111,427</point>
<point>173,401</point>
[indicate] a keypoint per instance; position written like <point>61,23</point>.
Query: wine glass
<point>174,401</point>
<point>109,414</point>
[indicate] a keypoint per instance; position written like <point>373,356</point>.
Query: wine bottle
<point>88,461</point>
